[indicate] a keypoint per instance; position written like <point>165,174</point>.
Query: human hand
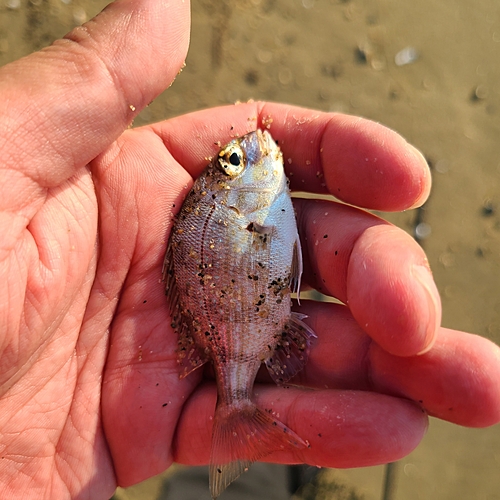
<point>90,395</point>
<point>381,362</point>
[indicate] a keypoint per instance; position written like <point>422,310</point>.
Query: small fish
<point>233,260</point>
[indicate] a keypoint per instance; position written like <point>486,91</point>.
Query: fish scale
<point>232,262</point>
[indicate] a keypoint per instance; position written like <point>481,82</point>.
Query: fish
<point>232,263</point>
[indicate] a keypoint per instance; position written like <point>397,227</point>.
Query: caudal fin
<point>243,434</point>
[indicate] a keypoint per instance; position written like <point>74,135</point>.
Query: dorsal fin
<point>188,355</point>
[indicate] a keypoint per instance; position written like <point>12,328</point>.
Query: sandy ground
<point>340,55</point>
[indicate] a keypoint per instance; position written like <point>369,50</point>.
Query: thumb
<point>67,102</point>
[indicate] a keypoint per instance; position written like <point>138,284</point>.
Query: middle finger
<point>448,381</point>
<point>378,270</point>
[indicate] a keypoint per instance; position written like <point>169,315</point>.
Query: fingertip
<point>423,275</point>
<point>418,159</point>
<point>142,45</point>
<point>477,367</point>
<point>100,76</point>
<point>391,293</point>
<point>458,380</point>
<point>373,166</point>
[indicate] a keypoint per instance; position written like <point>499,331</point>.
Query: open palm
<point>90,395</point>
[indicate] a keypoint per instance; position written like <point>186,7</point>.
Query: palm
<point>48,363</point>
<point>90,293</point>
<point>142,393</point>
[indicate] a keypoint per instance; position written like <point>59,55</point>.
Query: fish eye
<point>234,159</point>
<point>231,160</point>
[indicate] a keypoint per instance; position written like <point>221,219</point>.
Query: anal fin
<point>292,350</point>
<point>188,355</point>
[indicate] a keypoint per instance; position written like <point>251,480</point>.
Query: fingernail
<point>424,277</point>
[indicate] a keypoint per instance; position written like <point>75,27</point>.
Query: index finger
<point>356,160</point>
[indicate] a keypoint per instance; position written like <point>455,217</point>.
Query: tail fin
<point>243,434</point>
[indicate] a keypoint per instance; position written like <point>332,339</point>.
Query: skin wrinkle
<point>15,131</point>
<point>368,367</point>
<point>47,258</point>
<point>45,379</point>
<point>321,150</point>
<point>46,145</point>
<point>61,458</point>
<point>79,38</point>
<point>78,401</point>
<point>98,72</point>
<point>45,340</point>
<point>44,437</point>
<point>51,488</point>
<point>8,380</point>
<point>33,482</point>
<point>25,210</point>
<point>106,161</point>
<point>109,298</point>
<point>101,286</point>
<point>110,303</point>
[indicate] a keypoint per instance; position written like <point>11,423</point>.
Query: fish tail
<point>243,434</point>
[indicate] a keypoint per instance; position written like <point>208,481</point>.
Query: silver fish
<point>233,260</point>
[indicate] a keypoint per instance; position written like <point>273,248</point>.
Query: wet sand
<point>341,55</point>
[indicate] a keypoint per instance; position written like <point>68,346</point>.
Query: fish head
<point>253,169</point>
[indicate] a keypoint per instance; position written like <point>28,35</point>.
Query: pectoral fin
<point>296,269</point>
<point>255,227</point>
<point>292,351</point>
